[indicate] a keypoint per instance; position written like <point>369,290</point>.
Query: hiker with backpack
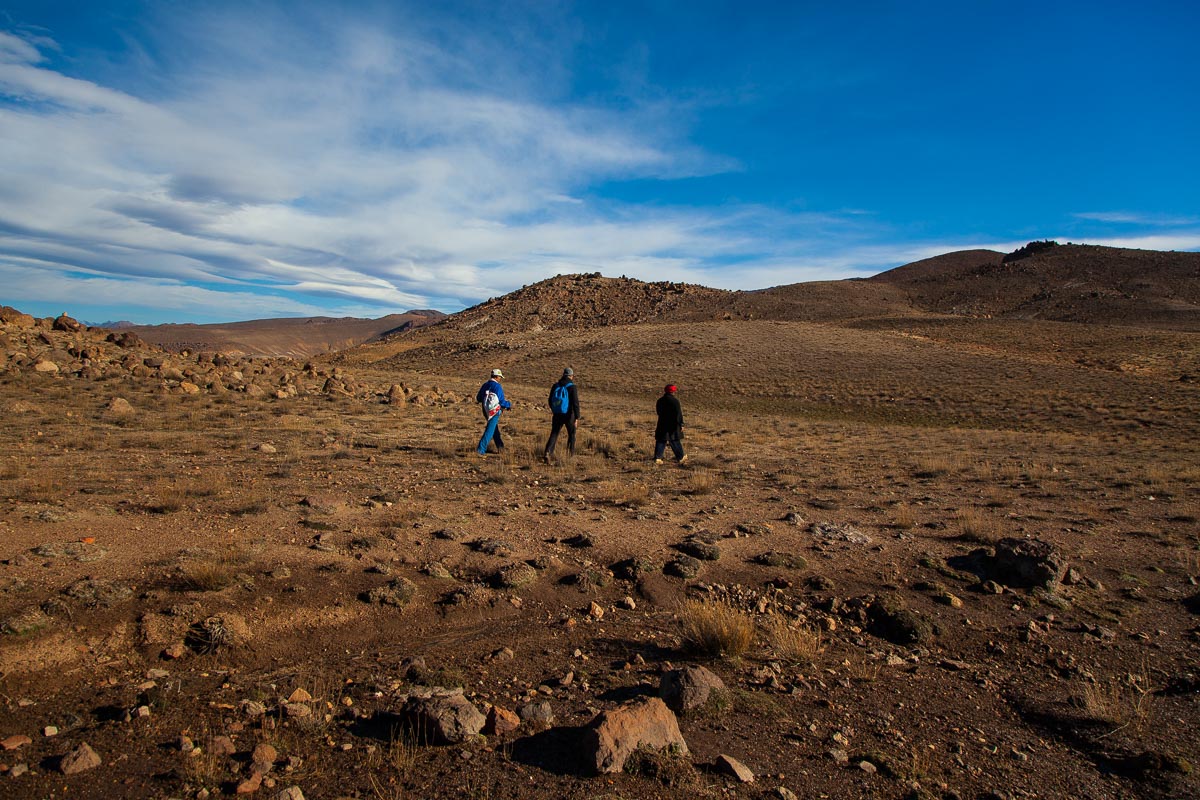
<point>564,405</point>
<point>669,430</point>
<point>492,401</point>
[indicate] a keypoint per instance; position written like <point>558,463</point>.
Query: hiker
<point>491,399</point>
<point>670,426</point>
<point>564,405</point>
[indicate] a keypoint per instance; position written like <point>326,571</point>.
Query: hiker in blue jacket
<point>564,405</point>
<point>491,399</point>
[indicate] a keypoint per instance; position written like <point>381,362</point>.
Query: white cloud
<point>1138,218</point>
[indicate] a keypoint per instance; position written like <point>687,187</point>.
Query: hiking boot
<point>683,458</point>
<point>547,459</point>
<point>658,461</point>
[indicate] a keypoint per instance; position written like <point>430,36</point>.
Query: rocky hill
<point>1066,283</point>
<point>291,337</point>
<point>62,347</point>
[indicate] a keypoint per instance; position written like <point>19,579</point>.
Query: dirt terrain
<point>928,555</point>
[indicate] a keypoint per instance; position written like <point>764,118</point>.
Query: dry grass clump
<point>207,484</point>
<point>10,470</point>
<point>1122,703</point>
<point>701,480</point>
<point>167,498</point>
<point>903,517</point>
<point>975,526</point>
<point>794,643</point>
<point>715,629</point>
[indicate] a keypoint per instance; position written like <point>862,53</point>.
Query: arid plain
<point>931,541</point>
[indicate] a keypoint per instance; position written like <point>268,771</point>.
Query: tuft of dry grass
<point>715,628</point>
<point>976,526</point>
<point>793,643</point>
<point>701,480</point>
<point>166,498</point>
<point>1122,703</point>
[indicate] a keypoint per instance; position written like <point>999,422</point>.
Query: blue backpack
<point>560,398</point>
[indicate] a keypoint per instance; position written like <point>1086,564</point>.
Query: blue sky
<point>212,161</point>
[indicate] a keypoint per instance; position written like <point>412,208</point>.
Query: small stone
<point>50,730</point>
<point>501,721</point>
<point>251,784</point>
<point>16,741</point>
<point>18,770</point>
<point>784,793</point>
<point>868,767</point>
<point>731,766</point>
<point>290,793</point>
<point>297,710</point>
<point>595,611</point>
<point>185,744</point>
<point>177,650</point>
<point>266,448</point>
<point>80,759</point>
<point>299,696</point>
<point>839,756</point>
<point>628,603</point>
<point>264,755</point>
<point>221,746</point>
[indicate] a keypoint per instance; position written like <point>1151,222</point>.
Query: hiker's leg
<point>498,438</point>
<point>676,447</point>
<point>555,425</point>
<point>570,423</point>
<point>488,431</point>
<point>660,446</point>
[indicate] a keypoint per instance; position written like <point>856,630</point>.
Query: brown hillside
<point>1068,283</point>
<point>293,338</point>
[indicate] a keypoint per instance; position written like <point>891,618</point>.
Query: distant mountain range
<point>1042,281</point>
<point>299,337</point>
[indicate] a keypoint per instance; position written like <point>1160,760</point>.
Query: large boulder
<point>688,688</point>
<point>1028,563</point>
<point>442,716</point>
<point>614,735</point>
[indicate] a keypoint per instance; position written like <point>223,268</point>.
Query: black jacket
<point>670,417</point>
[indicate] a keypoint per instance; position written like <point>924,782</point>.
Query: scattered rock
<point>891,619</point>
<point>501,721</point>
<point>512,576</point>
<point>81,759</point>
<point>682,566</point>
<point>538,714</point>
<point>443,716</point>
<point>16,741</point>
<point>1028,563</point>
<point>772,558</point>
<point>689,688</point>
<point>700,549</point>
<point>396,593</point>
<point>731,766</point>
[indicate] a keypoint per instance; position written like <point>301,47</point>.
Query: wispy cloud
<point>1139,218</point>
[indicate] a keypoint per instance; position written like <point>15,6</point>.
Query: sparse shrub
<point>715,629</point>
<point>1122,703</point>
<point>975,526</point>
<point>668,766</point>
<point>792,642</point>
<point>168,498</point>
<point>701,480</point>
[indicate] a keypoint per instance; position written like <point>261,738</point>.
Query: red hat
<point>670,389</point>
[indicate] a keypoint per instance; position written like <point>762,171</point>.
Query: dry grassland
<point>886,455</point>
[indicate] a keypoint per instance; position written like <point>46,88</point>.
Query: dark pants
<point>556,425</point>
<point>660,445</point>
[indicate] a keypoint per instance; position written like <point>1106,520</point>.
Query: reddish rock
<point>81,759</point>
<point>613,735</point>
<point>501,721</point>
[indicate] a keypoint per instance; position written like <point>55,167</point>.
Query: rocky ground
<point>261,577</point>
